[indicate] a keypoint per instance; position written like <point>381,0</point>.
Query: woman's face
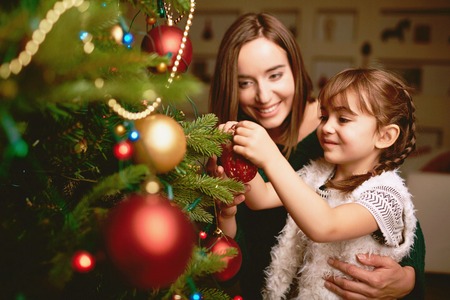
<point>266,83</point>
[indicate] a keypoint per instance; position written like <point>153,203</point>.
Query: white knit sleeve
<point>386,204</point>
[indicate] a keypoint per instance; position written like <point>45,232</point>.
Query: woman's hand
<point>226,212</point>
<point>388,280</point>
<point>213,169</point>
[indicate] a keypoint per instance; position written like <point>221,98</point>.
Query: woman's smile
<point>268,110</point>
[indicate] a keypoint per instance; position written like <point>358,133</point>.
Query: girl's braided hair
<point>385,96</point>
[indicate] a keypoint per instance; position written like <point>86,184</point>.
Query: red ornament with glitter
<point>165,39</point>
<point>149,240</point>
<point>236,166</point>
<point>219,243</point>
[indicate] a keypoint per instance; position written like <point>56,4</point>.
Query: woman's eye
<point>244,84</point>
<point>276,76</point>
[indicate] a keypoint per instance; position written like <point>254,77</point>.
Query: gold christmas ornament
<point>120,130</point>
<point>161,67</point>
<point>162,143</point>
<point>151,20</point>
<point>152,186</point>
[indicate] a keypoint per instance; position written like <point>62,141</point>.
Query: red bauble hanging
<point>165,39</point>
<point>83,261</point>
<point>149,240</point>
<point>219,244</point>
<point>236,166</point>
<point>123,150</point>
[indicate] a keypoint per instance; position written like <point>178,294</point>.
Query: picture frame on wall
<point>335,26</point>
<point>410,71</point>
<point>424,76</point>
<point>202,67</point>
<point>290,18</point>
<point>429,136</point>
<point>212,25</point>
<point>422,34</point>
<point>415,26</point>
<point>412,75</point>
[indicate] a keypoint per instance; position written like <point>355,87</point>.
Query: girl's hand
<point>253,142</point>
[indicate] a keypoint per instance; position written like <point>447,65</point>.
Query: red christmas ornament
<point>219,244</point>
<point>203,235</point>
<point>149,240</point>
<point>236,166</point>
<point>83,261</point>
<point>123,150</point>
<point>166,39</point>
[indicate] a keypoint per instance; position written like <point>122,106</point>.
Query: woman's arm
<point>227,222</point>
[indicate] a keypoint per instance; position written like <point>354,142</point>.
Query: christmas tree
<point>104,192</point>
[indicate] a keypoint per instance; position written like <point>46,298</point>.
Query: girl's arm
<point>261,194</point>
<point>313,215</point>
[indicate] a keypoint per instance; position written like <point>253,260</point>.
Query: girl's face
<point>348,136</point>
<point>266,83</point>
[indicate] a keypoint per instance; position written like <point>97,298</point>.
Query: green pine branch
<point>203,136</point>
<point>202,264</point>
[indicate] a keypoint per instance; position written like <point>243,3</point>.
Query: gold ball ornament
<point>151,20</point>
<point>161,67</point>
<point>162,143</point>
<point>120,130</point>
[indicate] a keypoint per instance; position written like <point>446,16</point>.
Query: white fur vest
<point>296,257</point>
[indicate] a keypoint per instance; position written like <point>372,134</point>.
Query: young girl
<point>260,76</point>
<point>366,131</point>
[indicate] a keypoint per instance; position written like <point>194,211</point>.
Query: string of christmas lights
<point>121,111</point>
<point>24,58</point>
<point>16,65</point>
